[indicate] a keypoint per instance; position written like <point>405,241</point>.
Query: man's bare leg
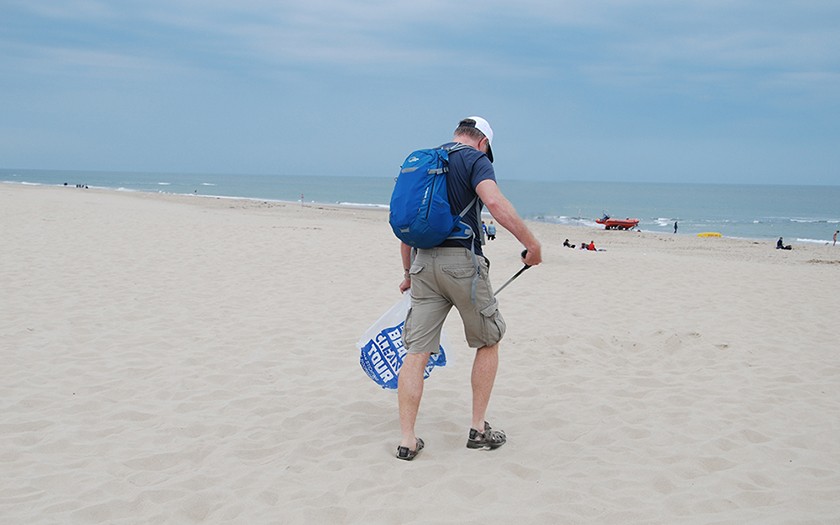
<point>483,377</point>
<point>409,392</point>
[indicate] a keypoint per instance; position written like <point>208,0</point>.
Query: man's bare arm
<point>504,212</point>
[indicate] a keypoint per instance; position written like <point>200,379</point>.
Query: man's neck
<point>469,141</point>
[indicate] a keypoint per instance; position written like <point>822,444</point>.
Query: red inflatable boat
<point>617,224</point>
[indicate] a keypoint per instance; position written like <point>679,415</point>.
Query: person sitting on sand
<point>780,245</point>
<point>591,246</point>
<point>567,245</point>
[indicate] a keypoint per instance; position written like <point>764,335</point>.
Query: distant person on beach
<point>780,245</point>
<point>835,238</point>
<point>591,246</point>
<point>675,226</point>
<point>491,231</point>
<point>446,276</point>
<point>567,245</point>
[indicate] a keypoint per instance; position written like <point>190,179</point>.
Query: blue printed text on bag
<point>382,357</point>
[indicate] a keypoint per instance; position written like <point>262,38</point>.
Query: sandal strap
<point>495,436</point>
<point>407,453</point>
<point>488,438</point>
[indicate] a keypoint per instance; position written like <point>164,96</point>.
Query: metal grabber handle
<point>517,274</point>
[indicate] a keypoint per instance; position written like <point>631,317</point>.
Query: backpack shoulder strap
<point>468,206</point>
<point>456,147</point>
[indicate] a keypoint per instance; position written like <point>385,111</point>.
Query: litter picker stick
<point>517,274</point>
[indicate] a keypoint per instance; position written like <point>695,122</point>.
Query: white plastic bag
<point>382,350</point>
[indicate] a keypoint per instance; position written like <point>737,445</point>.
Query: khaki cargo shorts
<point>440,279</point>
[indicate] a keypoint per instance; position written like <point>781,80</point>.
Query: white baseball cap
<point>483,126</point>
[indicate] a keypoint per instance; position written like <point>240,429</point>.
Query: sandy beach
<point>178,359</point>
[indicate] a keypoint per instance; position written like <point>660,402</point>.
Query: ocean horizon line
<point>502,179</point>
<point>748,211</point>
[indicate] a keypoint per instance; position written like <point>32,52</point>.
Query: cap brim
<point>490,153</point>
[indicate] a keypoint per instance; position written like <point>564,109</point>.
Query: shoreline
<point>384,207</point>
<point>813,253</point>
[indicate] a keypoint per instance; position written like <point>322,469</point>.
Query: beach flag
<point>382,350</point>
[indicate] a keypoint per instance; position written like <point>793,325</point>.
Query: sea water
<point>805,214</point>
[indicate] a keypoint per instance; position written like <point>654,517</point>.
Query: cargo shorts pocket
<point>492,323</point>
<point>418,288</point>
<point>459,272</point>
<point>415,269</point>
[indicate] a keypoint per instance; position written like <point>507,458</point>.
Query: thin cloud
<point>652,34</point>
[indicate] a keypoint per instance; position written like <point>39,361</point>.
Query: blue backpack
<point>420,213</point>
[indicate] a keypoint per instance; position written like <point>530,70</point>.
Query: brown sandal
<point>488,440</point>
<point>408,454</point>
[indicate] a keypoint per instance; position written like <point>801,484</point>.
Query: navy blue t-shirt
<point>467,168</point>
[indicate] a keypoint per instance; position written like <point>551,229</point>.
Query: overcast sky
<point>631,90</point>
